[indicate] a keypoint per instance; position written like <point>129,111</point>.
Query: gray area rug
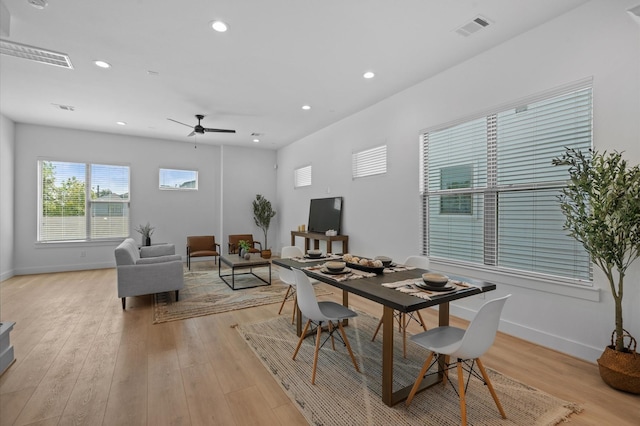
<point>342,396</point>
<point>205,293</point>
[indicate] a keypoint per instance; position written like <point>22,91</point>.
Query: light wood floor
<point>81,360</point>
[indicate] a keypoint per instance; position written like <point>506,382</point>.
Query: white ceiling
<point>277,56</point>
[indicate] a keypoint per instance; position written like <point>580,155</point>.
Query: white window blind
<point>80,202</point>
<point>369,162</point>
<point>491,189</point>
<point>302,177</point>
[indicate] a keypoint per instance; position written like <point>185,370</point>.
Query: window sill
<point>528,282</point>
<point>77,243</point>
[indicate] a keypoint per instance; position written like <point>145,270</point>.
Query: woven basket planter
<point>621,369</point>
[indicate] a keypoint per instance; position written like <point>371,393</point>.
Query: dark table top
<point>371,287</point>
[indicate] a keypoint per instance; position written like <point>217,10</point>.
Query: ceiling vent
<point>35,54</point>
<point>474,26</point>
<point>65,107</point>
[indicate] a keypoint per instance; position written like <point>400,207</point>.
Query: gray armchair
<point>148,270</point>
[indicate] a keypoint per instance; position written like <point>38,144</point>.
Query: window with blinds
<point>81,202</point>
<point>369,162</point>
<point>490,189</point>
<point>302,177</point>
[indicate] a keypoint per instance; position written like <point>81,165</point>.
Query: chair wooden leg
<point>333,342</point>
<point>416,385</point>
<point>295,308</point>
<point>377,329</point>
<point>490,386</point>
<point>315,355</point>
<point>302,336</point>
<point>346,342</point>
<point>284,300</point>
<point>463,404</point>
<point>424,324</point>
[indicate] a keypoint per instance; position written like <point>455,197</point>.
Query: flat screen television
<point>325,214</point>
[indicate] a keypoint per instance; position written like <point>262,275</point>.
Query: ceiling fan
<point>199,129</point>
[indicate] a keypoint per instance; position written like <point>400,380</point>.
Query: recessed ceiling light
<point>121,123</point>
<point>102,64</point>
<point>219,26</point>
<point>256,140</point>
<point>306,107</point>
<point>368,74</point>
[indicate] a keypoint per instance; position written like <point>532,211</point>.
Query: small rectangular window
<point>174,179</point>
<point>369,162</point>
<point>302,177</point>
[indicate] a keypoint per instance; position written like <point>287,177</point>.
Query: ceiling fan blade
<point>219,130</point>
<point>176,121</point>
<point>191,134</point>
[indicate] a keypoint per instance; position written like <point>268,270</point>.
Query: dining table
<point>383,288</point>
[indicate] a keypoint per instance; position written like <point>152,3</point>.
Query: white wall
<point>382,213</point>
<point>7,149</point>
<point>246,173</point>
<point>228,180</point>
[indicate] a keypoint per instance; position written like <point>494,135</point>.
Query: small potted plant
<point>262,215</point>
<point>601,205</point>
<point>243,249</point>
<point>146,231</point>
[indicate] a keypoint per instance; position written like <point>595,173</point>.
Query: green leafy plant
<point>244,245</point>
<point>601,205</point>
<point>262,215</point>
<point>145,230</point>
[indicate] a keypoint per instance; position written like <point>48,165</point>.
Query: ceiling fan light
<point>219,26</point>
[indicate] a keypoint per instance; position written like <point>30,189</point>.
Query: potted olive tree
<point>262,215</point>
<point>601,205</point>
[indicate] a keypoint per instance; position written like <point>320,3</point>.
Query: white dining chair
<point>319,313</point>
<point>403,319</point>
<point>286,276</point>
<point>466,346</point>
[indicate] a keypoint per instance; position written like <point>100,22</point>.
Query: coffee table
<point>236,262</point>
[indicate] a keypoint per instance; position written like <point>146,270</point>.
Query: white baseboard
<point>542,338</point>
<point>64,268</point>
<point>6,275</point>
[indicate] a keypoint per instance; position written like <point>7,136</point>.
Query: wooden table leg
<point>387,356</point>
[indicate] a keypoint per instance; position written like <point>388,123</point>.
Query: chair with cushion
<point>235,239</point>
<point>466,347</point>
<point>403,319</point>
<point>148,270</point>
<point>319,313</point>
<point>201,246</point>
<point>287,277</point>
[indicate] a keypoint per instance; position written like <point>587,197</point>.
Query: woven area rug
<point>342,396</point>
<point>205,293</point>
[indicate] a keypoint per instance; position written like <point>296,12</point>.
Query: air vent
<point>65,107</point>
<point>474,26</point>
<point>35,54</point>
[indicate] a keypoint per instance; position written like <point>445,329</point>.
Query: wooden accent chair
<point>235,239</point>
<point>200,246</point>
